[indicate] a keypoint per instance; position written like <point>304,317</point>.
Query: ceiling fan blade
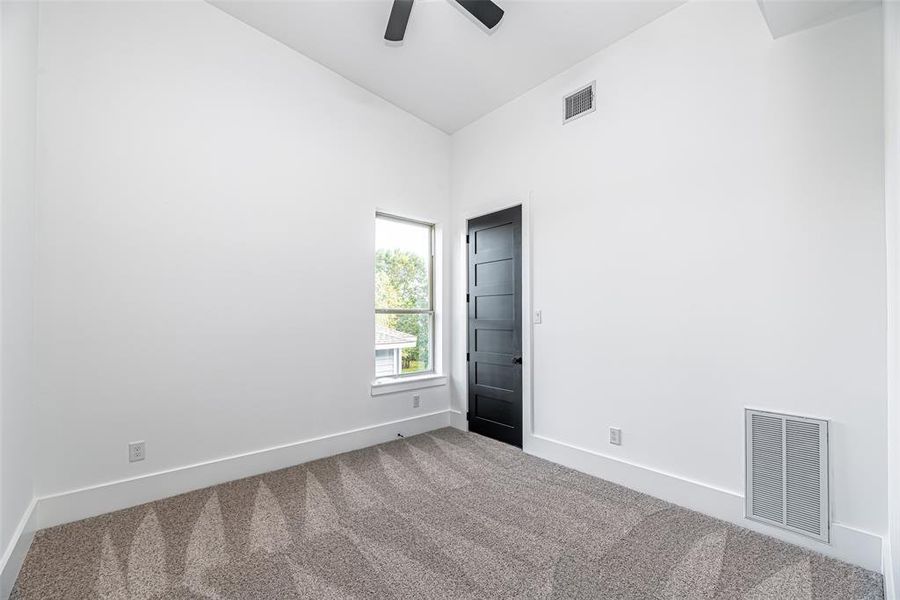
<point>396,27</point>
<point>488,13</point>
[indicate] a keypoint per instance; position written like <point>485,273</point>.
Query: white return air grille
<point>580,102</point>
<point>787,472</point>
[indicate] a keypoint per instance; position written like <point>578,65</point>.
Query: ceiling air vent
<point>580,102</point>
<point>787,472</point>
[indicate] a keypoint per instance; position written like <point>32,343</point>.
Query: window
<point>404,297</point>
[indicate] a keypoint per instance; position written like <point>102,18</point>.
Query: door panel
<point>494,410</point>
<point>495,325</point>
<point>496,376</point>
<point>495,341</point>
<point>494,238</point>
<point>497,274</point>
<point>494,308</point>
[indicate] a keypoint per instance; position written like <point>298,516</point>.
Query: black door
<point>495,325</point>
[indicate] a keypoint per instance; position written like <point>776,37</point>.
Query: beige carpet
<point>440,515</point>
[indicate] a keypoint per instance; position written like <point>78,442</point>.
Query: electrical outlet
<point>538,317</point>
<point>417,401</point>
<point>615,436</point>
<point>137,451</point>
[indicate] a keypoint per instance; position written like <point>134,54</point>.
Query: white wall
<point>18,81</point>
<point>18,73</point>
<point>892,206</point>
<point>711,238</point>
<point>206,230</point>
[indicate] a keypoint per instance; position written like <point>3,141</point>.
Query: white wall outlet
<point>615,436</point>
<point>417,401</point>
<point>137,451</point>
<point>538,317</point>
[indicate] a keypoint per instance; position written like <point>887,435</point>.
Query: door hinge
<point>467,416</point>
<point>467,357</point>
<point>467,238</point>
<point>467,297</point>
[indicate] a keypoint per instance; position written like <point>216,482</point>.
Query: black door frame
<point>527,312</point>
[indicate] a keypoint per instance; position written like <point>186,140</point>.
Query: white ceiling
<point>448,72</point>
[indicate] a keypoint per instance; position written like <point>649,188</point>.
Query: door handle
<point>517,360</point>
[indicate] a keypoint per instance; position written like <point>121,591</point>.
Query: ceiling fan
<point>486,12</point>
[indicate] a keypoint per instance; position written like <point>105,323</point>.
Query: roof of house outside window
<point>386,338</point>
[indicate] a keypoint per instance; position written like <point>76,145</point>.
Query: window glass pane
<point>402,344</point>
<point>402,264</point>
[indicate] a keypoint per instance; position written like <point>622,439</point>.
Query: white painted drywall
<point>18,73</point>
<point>785,17</point>
<point>892,214</point>
<point>206,232</point>
<point>711,238</point>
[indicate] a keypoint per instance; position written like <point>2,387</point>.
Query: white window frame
<point>431,373</point>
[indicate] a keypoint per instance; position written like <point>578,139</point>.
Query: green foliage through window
<point>401,279</point>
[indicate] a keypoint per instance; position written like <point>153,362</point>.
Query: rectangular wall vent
<point>579,103</point>
<point>787,472</point>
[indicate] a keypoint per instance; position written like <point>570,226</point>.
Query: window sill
<point>405,384</point>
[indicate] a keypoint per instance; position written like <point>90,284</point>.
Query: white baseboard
<point>847,543</point>
<point>458,420</point>
<point>890,591</point>
<point>14,554</point>
<point>95,500</point>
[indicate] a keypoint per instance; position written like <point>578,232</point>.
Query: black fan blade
<point>396,27</point>
<point>488,13</point>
